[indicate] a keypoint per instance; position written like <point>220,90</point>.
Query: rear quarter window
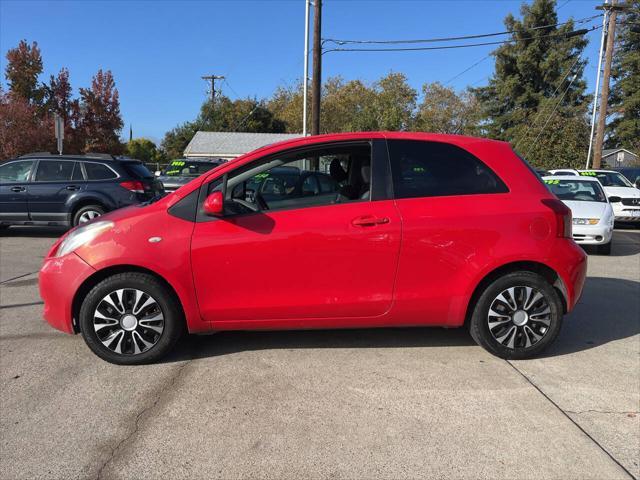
<point>434,169</point>
<point>98,171</point>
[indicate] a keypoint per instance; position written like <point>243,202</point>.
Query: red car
<point>395,229</point>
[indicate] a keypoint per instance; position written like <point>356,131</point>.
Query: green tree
<point>624,101</point>
<point>24,66</point>
<point>394,102</point>
<point>177,139</point>
<point>442,110</point>
<point>142,149</point>
<point>538,79</point>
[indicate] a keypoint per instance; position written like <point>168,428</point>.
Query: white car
<point>592,213</point>
<point>624,197</point>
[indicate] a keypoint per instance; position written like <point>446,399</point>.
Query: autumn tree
<point>24,66</point>
<point>442,110</point>
<point>538,82</point>
<point>624,103</point>
<point>58,100</point>
<point>101,120</point>
<point>22,130</point>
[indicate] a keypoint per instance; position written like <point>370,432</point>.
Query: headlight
<point>586,221</point>
<point>81,236</point>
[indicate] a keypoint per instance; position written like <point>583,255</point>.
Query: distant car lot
<point>372,403</point>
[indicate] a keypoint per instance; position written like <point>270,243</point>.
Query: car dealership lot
<point>372,403</point>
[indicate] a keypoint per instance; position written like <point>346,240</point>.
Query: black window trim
<point>390,174</point>
<point>379,162</point>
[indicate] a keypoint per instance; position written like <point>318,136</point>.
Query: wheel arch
<point>548,273</point>
<point>100,275</point>
<point>83,202</point>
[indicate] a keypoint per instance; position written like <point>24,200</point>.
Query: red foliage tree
<point>24,65</point>
<point>22,129</point>
<point>58,101</point>
<point>101,120</point>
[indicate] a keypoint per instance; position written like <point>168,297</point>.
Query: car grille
<point>631,202</point>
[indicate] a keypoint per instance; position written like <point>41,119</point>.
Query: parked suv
<point>181,172</point>
<point>46,189</point>
<point>421,230</point>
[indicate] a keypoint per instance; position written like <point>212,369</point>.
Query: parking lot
<point>397,403</point>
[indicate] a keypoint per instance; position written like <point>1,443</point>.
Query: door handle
<point>73,187</point>
<point>18,189</point>
<point>369,221</point>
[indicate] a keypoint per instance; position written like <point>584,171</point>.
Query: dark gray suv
<point>47,189</point>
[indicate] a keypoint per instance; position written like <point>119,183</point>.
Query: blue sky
<point>158,50</point>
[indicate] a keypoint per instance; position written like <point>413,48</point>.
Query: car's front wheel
<point>131,318</point>
<point>517,316</point>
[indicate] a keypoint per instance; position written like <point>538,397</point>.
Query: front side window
<point>576,190</point>
<point>15,171</point>
<point>433,169</point>
<point>322,176</point>
<point>54,171</point>
<point>98,171</point>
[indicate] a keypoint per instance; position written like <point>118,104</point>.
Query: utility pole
<point>212,79</point>
<point>603,35</point>
<point>604,95</point>
<point>317,68</point>
<point>305,76</point>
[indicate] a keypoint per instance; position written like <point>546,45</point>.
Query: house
<point>228,145</point>
<point>620,157</point>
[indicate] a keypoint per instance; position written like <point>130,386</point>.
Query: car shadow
<point>609,310</point>
<point>33,231</point>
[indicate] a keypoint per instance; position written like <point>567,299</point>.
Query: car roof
<point>103,157</point>
<point>598,170</point>
<point>570,178</point>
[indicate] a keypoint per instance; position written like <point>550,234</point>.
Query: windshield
<point>609,179</point>
<point>576,190</point>
<point>184,168</point>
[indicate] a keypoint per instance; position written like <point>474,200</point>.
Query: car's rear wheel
<point>87,213</point>
<point>517,316</point>
<point>131,318</point>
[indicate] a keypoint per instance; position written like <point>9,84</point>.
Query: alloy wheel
<point>128,321</point>
<point>88,215</point>
<point>519,317</point>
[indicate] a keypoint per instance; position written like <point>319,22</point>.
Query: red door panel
<point>335,261</point>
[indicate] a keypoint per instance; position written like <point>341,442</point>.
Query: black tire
<point>168,304</point>
<point>479,321</point>
<point>605,249</point>
<point>87,209</point>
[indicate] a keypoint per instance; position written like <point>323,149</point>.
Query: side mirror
<point>157,173</point>
<point>614,199</point>
<point>214,204</point>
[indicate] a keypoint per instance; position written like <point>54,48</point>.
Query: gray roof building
<point>230,145</point>
<point>620,157</point>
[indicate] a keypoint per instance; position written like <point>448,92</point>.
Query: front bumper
<point>592,234</point>
<point>59,281</point>
<point>625,213</point>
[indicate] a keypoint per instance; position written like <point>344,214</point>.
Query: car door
<point>300,263</point>
<point>52,185</point>
<point>14,187</point>
<point>454,215</point>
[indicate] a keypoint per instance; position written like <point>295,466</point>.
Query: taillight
<point>563,216</point>
<point>133,186</point>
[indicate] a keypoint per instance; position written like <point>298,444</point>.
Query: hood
<point>623,192</point>
<point>586,209</point>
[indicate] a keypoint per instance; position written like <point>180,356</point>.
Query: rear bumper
<point>59,281</point>
<point>570,263</point>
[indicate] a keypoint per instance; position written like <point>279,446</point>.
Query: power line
<point>449,39</point>
<point>467,45</point>
<point>467,69</point>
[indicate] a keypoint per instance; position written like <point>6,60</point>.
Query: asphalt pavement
<point>394,403</point>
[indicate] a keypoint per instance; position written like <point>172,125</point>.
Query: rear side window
<point>98,171</point>
<point>433,169</point>
<point>137,170</point>
<point>15,171</point>
<point>54,171</point>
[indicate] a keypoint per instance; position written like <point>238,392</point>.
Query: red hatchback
<point>335,231</point>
